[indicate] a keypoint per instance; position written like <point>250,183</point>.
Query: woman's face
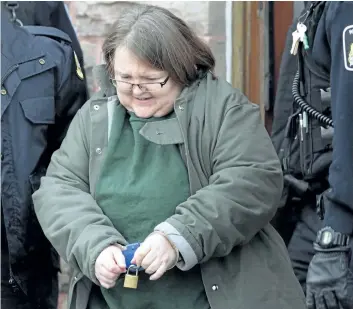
<point>150,99</point>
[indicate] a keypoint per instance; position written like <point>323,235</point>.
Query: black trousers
<point>300,246</point>
<point>43,287</point>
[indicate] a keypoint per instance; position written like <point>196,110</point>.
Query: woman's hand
<point>156,255</point>
<point>109,265</point>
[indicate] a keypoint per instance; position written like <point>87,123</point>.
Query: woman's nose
<point>136,90</point>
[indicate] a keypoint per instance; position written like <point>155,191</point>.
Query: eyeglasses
<point>145,87</point>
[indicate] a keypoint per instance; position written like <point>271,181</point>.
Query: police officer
<point>324,268</point>
<point>42,87</point>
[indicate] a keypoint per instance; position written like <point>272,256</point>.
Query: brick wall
<point>92,20</point>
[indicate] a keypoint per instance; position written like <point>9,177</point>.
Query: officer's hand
<point>329,282</point>
<point>156,255</point>
<point>109,265</point>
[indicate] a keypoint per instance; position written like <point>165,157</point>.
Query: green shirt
<point>140,186</point>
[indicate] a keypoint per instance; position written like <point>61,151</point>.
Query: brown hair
<point>165,41</point>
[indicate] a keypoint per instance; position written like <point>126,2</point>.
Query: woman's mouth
<point>143,99</point>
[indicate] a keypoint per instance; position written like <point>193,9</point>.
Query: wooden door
<point>259,33</point>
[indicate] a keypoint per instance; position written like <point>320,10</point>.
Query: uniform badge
<point>348,47</point>
<point>78,68</point>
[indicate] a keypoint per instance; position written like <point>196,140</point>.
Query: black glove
<point>329,282</point>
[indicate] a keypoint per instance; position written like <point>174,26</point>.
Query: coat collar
<point>171,131</point>
<point>163,132</point>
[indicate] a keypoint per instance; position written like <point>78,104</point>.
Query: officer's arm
<point>339,208</point>
<point>71,94</point>
<point>61,20</point>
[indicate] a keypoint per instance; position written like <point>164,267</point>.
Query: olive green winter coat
<point>235,185</point>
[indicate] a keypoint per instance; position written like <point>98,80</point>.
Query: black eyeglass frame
<point>114,82</point>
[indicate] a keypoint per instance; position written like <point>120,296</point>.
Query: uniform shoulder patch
<point>79,72</point>
<point>348,47</point>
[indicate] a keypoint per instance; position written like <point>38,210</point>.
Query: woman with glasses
<point>175,161</point>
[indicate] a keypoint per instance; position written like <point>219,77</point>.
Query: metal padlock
<point>131,280</point>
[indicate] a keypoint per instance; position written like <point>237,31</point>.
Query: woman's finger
<point>140,253</point>
<point>149,259</point>
<point>103,272</point>
<point>106,283</point>
<point>119,259</point>
<point>160,271</point>
<point>152,268</point>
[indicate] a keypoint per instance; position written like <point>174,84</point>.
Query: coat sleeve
<point>60,19</point>
<point>67,212</point>
<point>71,94</point>
<point>339,203</point>
<point>241,197</point>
